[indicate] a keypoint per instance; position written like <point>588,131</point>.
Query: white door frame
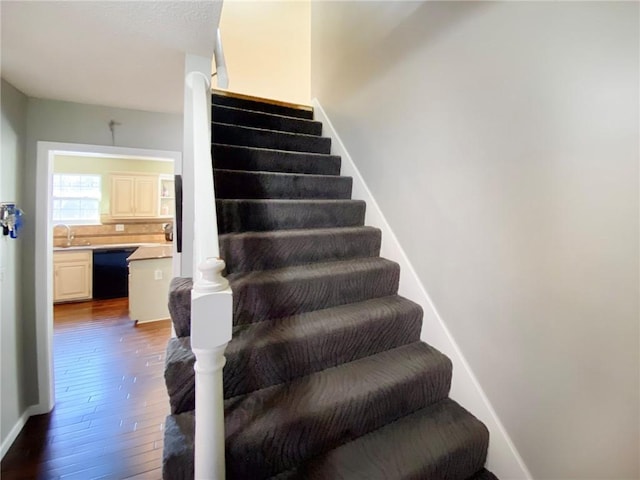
<point>44,248</point>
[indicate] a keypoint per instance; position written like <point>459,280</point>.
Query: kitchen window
<point>76,198</point>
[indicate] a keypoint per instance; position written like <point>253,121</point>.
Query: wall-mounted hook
<point>112,127</point>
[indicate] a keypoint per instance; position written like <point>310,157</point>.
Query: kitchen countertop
<point>150,252</point>
<point>111,245</point>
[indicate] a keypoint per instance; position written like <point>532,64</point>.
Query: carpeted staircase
<point>326,376</point>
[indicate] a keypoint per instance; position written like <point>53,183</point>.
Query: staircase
<point>326,376</point>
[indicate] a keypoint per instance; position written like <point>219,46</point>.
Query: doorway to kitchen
<point>93,223</point>
<point>105,208</point>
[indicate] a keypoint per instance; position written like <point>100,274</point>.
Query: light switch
<point>119,227</point>
<point>157,275</point>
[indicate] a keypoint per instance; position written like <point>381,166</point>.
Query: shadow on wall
<point>423,20</point>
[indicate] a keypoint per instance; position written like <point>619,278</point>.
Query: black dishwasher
<point>111,272</point>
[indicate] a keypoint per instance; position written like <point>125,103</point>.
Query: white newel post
<point>210,333</point>
<point>211,299</point>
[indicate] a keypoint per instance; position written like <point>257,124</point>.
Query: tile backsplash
<point>107,234</point>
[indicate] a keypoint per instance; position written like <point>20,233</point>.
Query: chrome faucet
<point>70,236</point>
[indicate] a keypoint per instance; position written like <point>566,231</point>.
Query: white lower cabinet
<point>149,281</point>
<point>72,275</point>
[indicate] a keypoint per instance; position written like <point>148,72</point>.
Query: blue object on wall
<point>10,219</point>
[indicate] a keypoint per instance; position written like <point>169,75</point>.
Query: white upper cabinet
<point>133,195</point>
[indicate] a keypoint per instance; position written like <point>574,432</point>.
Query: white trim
<point>159,319</point>
<point>44,248</point>
<point>149,158</point>
<point>14,432</point>
<point>504,459</point>
<point>17,428</point>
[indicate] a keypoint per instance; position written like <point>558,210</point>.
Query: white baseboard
<point>17,428</point>
<point>503,460</point>
<point>152,320</point>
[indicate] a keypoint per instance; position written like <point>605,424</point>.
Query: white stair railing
<point>211,299</point>
<point>221,64</point>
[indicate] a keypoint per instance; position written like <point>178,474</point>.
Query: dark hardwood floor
<point>111,400</point>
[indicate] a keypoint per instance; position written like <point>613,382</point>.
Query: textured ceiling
<point>121,54</point>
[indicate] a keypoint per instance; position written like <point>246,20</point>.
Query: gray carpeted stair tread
<point>262,295</point>
<point>236,157</point>
<point>256,105</point>
<point>240,184</point>
<point>275,214</point>
<point>394,451</point>
<point>177,453</point>
<point>180,305</point>
<point>252,118</point>
<point>270,353</point>
<point>263,138</point>
<point>277,428</point>
<point>243,252</point>
<point>440,442</point>
<point>179,376</point>
<point>279,293</point>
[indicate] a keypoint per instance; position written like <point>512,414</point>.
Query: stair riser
<point>262,107</point>
<point>237,184</point>
<point>248,118</point>
<point>262,359</point>
<point>179,375</point>
<point>442,441</point>
<point>387,387</point>
<point>259,447</point>
<point>258,296</point>
<point>460,463</point>
<point>484,474</point>
<point>243,252</point>
<point>250,137</point>
<point>259,301</point>
<point>177,455</point>
<point>255,159</point>
<point>180,305</point>
<point>251,369</point>
<point>245,216</point>
<point>437,442</point>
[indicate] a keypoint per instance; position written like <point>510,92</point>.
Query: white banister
<point>211,300</point>
<point>221,65</point>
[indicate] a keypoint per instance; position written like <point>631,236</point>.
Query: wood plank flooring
<point>111,400</point>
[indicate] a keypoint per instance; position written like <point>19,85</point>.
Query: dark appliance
<point>111,272</point>
<point>178,187</point>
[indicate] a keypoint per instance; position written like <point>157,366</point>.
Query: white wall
<point>13,403</point>
<point>267,48</point>
<point>55,121</point>
<point>500,140</point>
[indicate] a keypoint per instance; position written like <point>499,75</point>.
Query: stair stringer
<point>503,457</point>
